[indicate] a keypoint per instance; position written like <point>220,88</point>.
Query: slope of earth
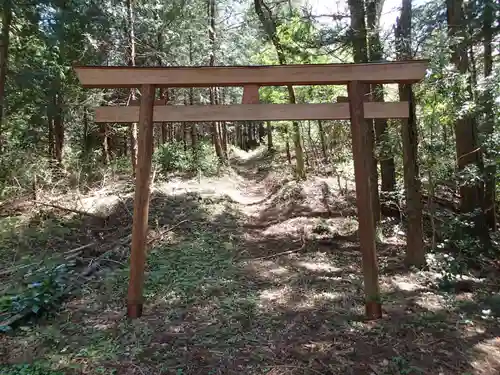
<point>254,273</point>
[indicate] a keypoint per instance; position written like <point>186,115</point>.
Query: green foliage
<point>28,369</point>
<point>41,293</point>
<point>459,250</point>
<point>173,157</point>
<point>400,366</point>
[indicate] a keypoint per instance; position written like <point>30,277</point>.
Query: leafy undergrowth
<point>268,285</point>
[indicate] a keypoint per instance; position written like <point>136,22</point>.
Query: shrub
<point>171,157</point>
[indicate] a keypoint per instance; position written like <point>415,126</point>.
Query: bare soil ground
<point>250,273</point>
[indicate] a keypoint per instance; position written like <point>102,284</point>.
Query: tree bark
<point>131,62</point>
<point>269,23</point>
<point>375,50</point>
<point>213,90</point>
<point>58,126</point>
<point>287,145</point>
<point>4,59</point>
<point>223,126</point>
<point>415,254</point>
<point>322,140</point>
<point>467,150</point>
<point>50,121</point>
<point>194,132</point>
<point>360,54</point>
<point>489,116</point>
<point>105,143</point>
<point>269,136</point>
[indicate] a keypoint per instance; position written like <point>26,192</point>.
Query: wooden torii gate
<point>355,76</point>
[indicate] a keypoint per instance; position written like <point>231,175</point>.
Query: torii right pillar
<point>362,166</point>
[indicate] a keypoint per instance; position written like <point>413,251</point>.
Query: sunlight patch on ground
<point>303,224</point>
<point>102,320</point>
<point>274,296</point>
<point>318,346</point>
<point>487,357</point>
<point>268,269</point>
<point>312,300</point>
<point>402,283</point>
<point>431,301</point>
<point>318,266</point>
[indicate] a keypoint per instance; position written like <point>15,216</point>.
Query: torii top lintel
<point>275,75</point>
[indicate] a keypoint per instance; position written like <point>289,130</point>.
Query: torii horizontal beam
<point>252,112</point>
<point>276,75</point>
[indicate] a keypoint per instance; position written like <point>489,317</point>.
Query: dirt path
<point>261,275</point>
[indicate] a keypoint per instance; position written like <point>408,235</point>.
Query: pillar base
<point>373,310</point>
<point>134,310</point>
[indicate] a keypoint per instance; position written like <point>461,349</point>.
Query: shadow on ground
<point>221,300</point>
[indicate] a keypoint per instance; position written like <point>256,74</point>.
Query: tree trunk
<point>468,152</point>
<point>131,62</point>
<point>358,35</point>
<point>223,126</point>
<point>387,168</point>
<point>105,143</point>
<point>164,97</point>
<point>4,58</point>
<point>322,140</point>
<point>213,90</point>
<point>269,23</point>
<point>415,254</point>
<point>489,116</point>
<point>87,139</point>
<point>269,136</point>
<point>287,146</point>
<point>194,132</point>
<point>50,121</point>
<point>262,132</point>
<point>58,126</point>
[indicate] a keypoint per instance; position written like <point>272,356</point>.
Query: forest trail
<point>255,273</point>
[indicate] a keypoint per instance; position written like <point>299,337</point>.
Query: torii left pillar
<point>141,202</point>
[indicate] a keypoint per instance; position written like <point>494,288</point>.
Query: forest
<point>254,261</point>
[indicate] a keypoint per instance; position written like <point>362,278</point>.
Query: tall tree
<point>211,6</point>
<point>469,157</point>
<point>131,62</point>
<point>4,58</point>
<point>415,254</point>
<point>270,146</point>
<point>269,23</point>
<point>322,139</point>
<point>360,55</point>
<point>375,53</point>
<point>489,115</point>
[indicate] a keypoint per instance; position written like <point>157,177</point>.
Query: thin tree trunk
<point>322,140</point>
<point>164,97</point>
<point>467,150</point>
<point>387,168</point>
<point>87,145</point>
<point>58,126</point>
<point>287,146</point>
<point>269,23</point>
<point>358,30</point>
<point>131,62</point>
<point>105,143</point>
<point>194,131</point>
<point>223,126</point>
<point>415,254</point>
<point>50,121</point>
<point>213,90</point>
<point>489,116</point>
<point>4,58</point>
<point>269,136</point>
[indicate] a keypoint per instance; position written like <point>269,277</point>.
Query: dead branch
<point>80,212</point>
